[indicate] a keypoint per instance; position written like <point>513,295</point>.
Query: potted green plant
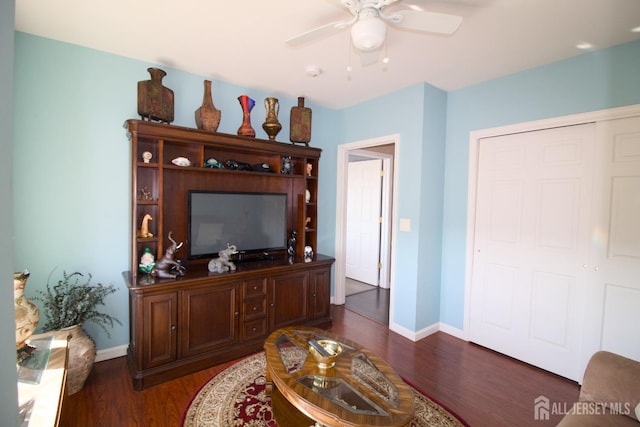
<point>67,305</point>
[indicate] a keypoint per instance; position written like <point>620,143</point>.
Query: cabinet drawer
<point>256,287</point>
<point>254,308</point>
<point>254,329</point>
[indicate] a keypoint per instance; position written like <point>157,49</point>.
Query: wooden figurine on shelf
<point>167,267</point>
<point>144,227</point>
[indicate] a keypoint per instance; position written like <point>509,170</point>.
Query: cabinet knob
<point>236,313</point>
<point>314,295</point>
<point>173,327</point>
<point>254,329</point>
<point>272,304</point>
<point>255,288</point>
<point>255,308</point>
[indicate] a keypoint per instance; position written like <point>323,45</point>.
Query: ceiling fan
<point>369,23</point>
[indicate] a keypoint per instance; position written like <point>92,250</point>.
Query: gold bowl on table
<point>325,352</point>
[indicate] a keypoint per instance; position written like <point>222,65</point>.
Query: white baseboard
<point>111,353</point>
<point>429,330</point>
<point>414,336</point>
<point>458,333</point>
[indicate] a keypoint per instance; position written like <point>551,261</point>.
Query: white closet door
<point>532,239</point>
<point>613,311</point>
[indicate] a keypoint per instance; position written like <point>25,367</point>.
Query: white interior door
<point>363,220</point>
<point>532,239</point>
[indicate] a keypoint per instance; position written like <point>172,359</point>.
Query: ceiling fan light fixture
<point>368,34</point>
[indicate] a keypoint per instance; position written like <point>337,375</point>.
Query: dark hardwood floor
<point>483,387</point>
<point>373,304</point>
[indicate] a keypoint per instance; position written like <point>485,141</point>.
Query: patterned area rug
<point>236,397</point>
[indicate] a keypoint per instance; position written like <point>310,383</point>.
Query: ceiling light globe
<point>368,34</point>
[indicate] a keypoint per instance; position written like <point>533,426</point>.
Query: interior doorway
<point>379,206</point>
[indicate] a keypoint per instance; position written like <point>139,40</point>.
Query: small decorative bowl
<point>331,349</point>
<point>181,161</point>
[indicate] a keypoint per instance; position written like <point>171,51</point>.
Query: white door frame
<point>341,212</point>
<point>474,144</point>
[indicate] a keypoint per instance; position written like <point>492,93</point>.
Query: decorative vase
<point>247,105</point>
<point>300,123</point>
<point>155,102</point>
<point>82,356</point>
<point>207,116</point>
<point>271,124</point>
<point>26,313</point>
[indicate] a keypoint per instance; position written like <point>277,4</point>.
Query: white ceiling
<point>243,41</point>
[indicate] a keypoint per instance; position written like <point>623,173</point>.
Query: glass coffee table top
<point>360,386</point>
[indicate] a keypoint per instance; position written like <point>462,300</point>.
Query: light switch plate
<point>405,224</point>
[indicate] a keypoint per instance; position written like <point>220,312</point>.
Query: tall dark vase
<point>300,130</point>
<point>207,116</point>
<point>271,124</point>
<point>247,105</point>
<point>155,102</point>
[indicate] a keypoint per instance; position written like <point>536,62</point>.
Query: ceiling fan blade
<point>317,33</point>
<point>430,22</point>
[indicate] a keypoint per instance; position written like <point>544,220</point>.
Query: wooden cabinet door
<point>320,298</point>
<point>289,296</point>
<point>209,318</point>
<point>159,329</point>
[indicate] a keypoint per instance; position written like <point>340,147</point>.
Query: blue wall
<point>416,281</point>
<point>590,82</point>
<point>71,160</point>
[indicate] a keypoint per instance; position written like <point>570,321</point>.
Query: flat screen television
<point>254,222</point>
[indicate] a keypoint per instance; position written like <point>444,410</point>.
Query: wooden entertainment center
<point>182,325</point>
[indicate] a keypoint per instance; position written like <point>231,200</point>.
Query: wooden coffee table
<point>360,390</point>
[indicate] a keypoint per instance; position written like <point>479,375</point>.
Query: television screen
<point>254,222</point>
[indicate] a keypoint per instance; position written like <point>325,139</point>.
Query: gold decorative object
<point>325,352</point>
<point>26,313</point>
<point>271,124</point>
<point>144,227</point>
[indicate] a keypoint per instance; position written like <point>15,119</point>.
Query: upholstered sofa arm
<point>612,380</point>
